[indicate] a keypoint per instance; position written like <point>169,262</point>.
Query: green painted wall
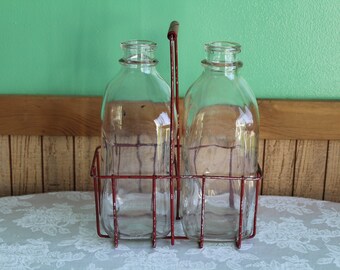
<point>291,48</point>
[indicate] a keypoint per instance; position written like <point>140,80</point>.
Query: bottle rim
<point>141,52</point>
<point>138,43</point>
<point>223,46</point>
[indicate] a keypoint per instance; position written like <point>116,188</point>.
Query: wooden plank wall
<point>45,158</point>
<point>35,164</point>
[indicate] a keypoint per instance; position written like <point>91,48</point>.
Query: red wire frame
<point>174,171</point>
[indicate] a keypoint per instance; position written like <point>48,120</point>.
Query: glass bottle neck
<point>138,53</point>
<point>221,58</point>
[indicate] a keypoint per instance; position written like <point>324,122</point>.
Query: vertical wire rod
<point>154,212</point>
<point>201,240</point>
<point>240,224</point>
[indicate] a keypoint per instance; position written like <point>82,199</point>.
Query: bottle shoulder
<point>213,90</point>
<point>212,97</point>
<point>137,86</point>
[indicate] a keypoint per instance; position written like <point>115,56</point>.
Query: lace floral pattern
<point>57,231</point>
<point>33,254</point>
<point>329,216</point>
<point>292,233</point>
<point>8,203</point>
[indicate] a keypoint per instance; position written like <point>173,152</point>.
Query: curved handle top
<point>173,30</point>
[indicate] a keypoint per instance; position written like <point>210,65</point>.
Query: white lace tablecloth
<point>57,231</point>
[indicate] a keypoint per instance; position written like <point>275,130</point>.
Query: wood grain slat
<point>5,173</point>
<point>58,164</point>
<point>310,169</point>
<point>332,185</point>
<point>49,115</point>
<point>260,157</point>
<point>297,119</point>
<point>260,154</point>
<point>80,116</point>
<point>84,151</point>
<point>26,164</point>
<point>279,167</point>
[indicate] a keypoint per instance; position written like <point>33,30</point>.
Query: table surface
<point>57,231</point>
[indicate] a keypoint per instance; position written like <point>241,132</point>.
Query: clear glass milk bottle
<point>135,141</point>
<point>221,123</point>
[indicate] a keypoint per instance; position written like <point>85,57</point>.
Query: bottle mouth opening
<point>138,52</point>
<point>222,54</point>
<point>139,44</point>
<point>223,47</point>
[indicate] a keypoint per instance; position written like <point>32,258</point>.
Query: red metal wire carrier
<point>174,170</point>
